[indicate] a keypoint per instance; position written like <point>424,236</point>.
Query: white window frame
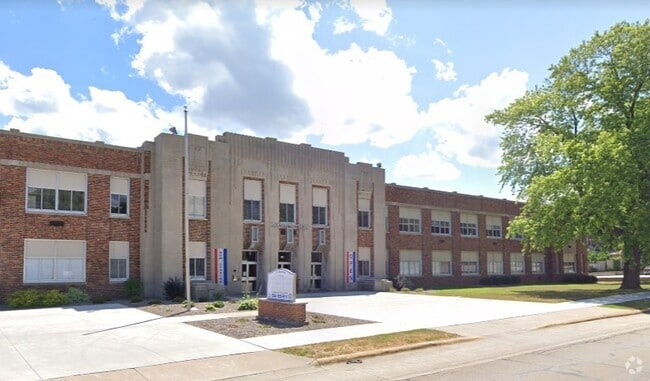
<point>363,265</point>
<point>569,260</point>
<point>54,251</point>
<point>409,220</point>
<point>467,261</point>
<point>537,263</point>
<point>439,260</point>
<point>54,182</point>
<point>287,204</point>
<point>517,266</point>
<point>197,251</point>
<point>118,251</point>
<point>364,219</point>
<point>120,186</point>
<point>410,263</point>
<point>321,237</point>
<point>197,204</point>
<point>468,225</point>
<point>255,234</point>
<point>253,190</point>
<point>440,222</point>
<point>290,233</point>
<point>494,267</point>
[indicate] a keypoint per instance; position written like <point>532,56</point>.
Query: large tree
<point>577,149</point>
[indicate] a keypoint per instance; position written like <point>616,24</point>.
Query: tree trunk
<point>632,270</point>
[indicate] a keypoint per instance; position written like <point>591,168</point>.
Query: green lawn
<point>549,293</point>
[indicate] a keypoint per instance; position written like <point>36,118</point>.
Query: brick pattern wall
<point>291,313</point>
<point>96,227</point>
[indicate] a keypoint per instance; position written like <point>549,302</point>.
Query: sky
<point>403,83</point>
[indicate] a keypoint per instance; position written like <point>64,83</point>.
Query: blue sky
<point>405,83</point>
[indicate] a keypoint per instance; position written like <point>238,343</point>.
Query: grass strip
<point>368,344</point>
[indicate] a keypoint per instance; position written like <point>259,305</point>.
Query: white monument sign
<point>281,286</point>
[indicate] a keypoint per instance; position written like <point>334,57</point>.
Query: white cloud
<point>458,123</point>
<point>40,102</point>
<point>444,71</point>
<point>426,166</point>
<point>342,25</point>
<point>440,42</point>
<point>376,16</point>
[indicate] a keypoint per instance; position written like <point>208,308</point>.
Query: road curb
<point>584,320</point>
<point>384,351</point>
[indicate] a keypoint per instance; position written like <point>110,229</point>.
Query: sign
<point>350,266</point>
<point>221,266</point>
<point>281,285</point>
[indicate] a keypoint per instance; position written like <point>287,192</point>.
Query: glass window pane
<point>78,201</point>
<point>65,200</point>
<point>34,198</point>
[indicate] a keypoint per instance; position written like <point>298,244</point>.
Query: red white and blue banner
<point>221,266</point>
<point>350,266</point>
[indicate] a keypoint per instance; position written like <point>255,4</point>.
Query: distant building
<point>93,215</point>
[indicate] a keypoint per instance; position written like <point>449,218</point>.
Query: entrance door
<point>316,276</point>
<point>284,260</point>
<point>249,270</point>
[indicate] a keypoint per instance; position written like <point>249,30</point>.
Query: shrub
<point>247,303</point>
<point>495,280</point>
<point>218,304</point>
<point>579,278</point>
<point>98,299</point>
<point>154,301</point>
<point>210,308</point>
<point>405,289</point>
<point>187,304</point>
<point>419,289</point>
<point>133,288</point>
<point>77,296</point>
<point>32,298</point>
<point>174,288</point>
<point>400,282</point>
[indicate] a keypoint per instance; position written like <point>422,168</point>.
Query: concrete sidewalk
<point>60,342</point>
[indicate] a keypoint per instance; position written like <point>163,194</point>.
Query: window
<point>288,203</point>
<point>321,237</point>
<point>54,261</point>
<point>410,262</point>
<point>196,199</point>
<point>569,259</point>
<point>252,200</point>
<point>537,263</point>
<point>119,196</point>
<point>319,208</point>
<point>290,233</point>
<point>517,264</point>
<point>118,261</point>
<point>409,220</point>
<point>364,210</point>
<point>440,262</point>
<point>255,233</point>
<point>197,260</point>
<point>440,222</point>
<point>56,191</point>
<point>493,227</point>
<point>316,277</point>
<point>469,262</point>
<point>468,225</point>
<point>363,262</point>
<point>495,263</point>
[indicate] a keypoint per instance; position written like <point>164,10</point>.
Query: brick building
<point>93,215</point>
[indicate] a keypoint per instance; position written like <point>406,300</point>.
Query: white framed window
<point>197,260</point>
<point>537,263</point>
<point>493,227</point>
<point>517,263</point>
<point>409,220</point>
<point>252,200</point>
<point>118,261</point>
<point>321,237</point>
<point>364,212</point>
<point>494,263</point>
<point>569,259</point>
<point>440,222</point>
<point>255,234</point>
<point>469,263</point>
<point>290,233</point>
<point>319,206</point>
<point>468,225</point>
<point>54,261</point>
<point>441,262</point>
<point>56,191</point>
<point>196,199</point>
<point>410,262</point>
<point>119,197</point>
<point>288,203</point>
<point>363,262</point>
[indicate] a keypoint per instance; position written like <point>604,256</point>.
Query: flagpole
<point>186,216</point>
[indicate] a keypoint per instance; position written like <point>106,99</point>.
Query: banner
<point>221,266</point>
<point>350,266</point>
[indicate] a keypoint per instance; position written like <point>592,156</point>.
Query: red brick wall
<point>96,227</point>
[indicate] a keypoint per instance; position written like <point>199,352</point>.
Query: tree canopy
<point>577,149</point>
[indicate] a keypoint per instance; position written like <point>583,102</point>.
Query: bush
<point>419,289</point>
<point>77,296</point>
<point>579,278</point>
<point>400,282</point>
<point>32,298</point>
<point>174,288</point>
<point>99,299</point>
<point>218,304</point>
<point>496,280</point>
<point>247,303</point>
<point>210,308</point>
<point>187,304</point>
<point>133,288</point>
<point>54,298</point>
<point>154,302</point>
<point>405,289</point>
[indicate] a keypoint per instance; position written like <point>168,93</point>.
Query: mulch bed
<point>245,327</point>
<point>176,309</point>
